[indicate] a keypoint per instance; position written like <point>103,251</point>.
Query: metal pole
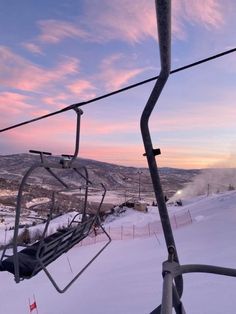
<point>163,10</point>
<point>163,18</point>
<point>208,189</point>
<point>139,184</point>
<point>167,300</point>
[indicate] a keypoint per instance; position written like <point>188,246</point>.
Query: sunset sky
<point>56,53</point>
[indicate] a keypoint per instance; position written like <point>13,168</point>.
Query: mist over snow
<point>209,181</point>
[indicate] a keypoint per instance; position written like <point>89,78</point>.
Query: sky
<point>56,53</point>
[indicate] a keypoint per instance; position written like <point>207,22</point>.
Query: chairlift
<point>27,260</point>
<point>172,270</point>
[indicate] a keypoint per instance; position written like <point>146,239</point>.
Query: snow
<point>132,217</point>
<point>127,278</point>
<point>37,201</point>
<point>6,235</point>
<point>5,192</point>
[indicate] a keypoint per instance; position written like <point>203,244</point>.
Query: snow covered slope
<point>127,279</point>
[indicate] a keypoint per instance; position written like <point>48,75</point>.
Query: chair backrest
<point>51,247</point>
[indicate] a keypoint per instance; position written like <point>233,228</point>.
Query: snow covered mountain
<point>127,278</point>
<point>12,167</point>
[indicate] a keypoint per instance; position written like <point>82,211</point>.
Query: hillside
<point>122,182</point>
<point>127,279</point>
<point>113,176</point>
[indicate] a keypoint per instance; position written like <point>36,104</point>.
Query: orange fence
<point>134,232</point>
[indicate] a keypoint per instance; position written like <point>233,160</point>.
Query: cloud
<point>19,73</point>
<point>131,21</point>
<point>207,13</point>
<point>40,112</point>
<point>134,21</point>
<point>14,107</point>
<point>128,20</point>
<point>35,49</point>
<point>115,74</point>
<point>82,88</point>
<point>58,101</point>
<point>54,31</point>
<point>13,104</point>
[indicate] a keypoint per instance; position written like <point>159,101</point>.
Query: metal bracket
<point>155,151</point>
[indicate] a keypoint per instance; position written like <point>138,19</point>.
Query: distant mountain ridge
<point>114,177</point>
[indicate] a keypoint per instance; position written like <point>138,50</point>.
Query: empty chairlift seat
<point>34,258</point>
<point>26,262</point>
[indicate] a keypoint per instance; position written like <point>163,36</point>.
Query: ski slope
<point>127,279</point>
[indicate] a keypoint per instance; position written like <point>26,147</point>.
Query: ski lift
<point>172,270</point>
<point>26,260</point>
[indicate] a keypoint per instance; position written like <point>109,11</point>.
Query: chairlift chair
<point>172,270</point>
<point>26,262</point>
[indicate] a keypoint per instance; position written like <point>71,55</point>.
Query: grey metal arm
<point>163,10</point>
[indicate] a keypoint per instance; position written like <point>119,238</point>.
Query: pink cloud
<point>33,48</point>
<point>82,88</point>
<point>17,72</point>
<point>40,112</point>
<point>14,108</point>
<point>54,31</point>
<point>134,21</point>
<point>114,74</point>
<point>208,13</point>
<point>128,20</point>
<point>13,103</point>
<point>58,101</point>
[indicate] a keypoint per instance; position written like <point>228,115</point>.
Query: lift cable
<point>80,104</point>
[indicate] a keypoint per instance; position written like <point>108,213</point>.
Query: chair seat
<point>27,262</point>
<point>50,248</point>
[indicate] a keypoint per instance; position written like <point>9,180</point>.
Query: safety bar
<point>172,269</point>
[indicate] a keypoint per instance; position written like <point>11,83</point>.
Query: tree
<point>231,187</point>
<point>24,237</point>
